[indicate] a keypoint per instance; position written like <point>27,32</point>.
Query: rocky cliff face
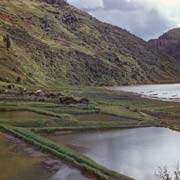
<point>169,43</point>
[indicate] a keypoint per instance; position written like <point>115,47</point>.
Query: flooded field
<point>19,161</point>
<point>101,117</point>
<point>21,116</point>
<point>166,92</point>
<point>134,152</point>
<point>26,118</point>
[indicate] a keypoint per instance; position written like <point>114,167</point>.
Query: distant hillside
<point>169,43</point>
<point>53,42</point>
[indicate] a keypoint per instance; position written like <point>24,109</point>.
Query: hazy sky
<point>145,18</point>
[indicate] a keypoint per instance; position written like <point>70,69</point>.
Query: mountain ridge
<point>169,43</point>
<point>54,43</point>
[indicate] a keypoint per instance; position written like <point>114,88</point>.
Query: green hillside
<point>57,43</point>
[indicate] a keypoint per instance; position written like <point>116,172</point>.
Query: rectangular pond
<point>96,117</point>
<point>19,161</point>
<point>26,118</point>
<point>137,153</point>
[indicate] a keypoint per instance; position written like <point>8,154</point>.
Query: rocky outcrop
<point>169,43</point>
<point>57,2</point>
<point>70,19</point>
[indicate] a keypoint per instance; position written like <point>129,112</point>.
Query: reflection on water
<point>19,162</point>
<point>167,92</point>
<point>66,173</point>
<point>135,152</point>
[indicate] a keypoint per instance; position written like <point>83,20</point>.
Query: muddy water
<point>17,165</point>
<point>67,173</point>
<point>166,92</point>
<point>101,117</point>
<point>19,161</point>
<point>26,119</point>
<point>21,116</point>
<point>134,152</point>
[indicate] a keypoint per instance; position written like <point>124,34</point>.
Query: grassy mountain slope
<point>60,44</point>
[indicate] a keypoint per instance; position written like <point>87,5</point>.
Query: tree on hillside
<point>7,41</point>
<point>164,174</point>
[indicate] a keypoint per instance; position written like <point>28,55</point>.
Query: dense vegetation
<point>57,44</point>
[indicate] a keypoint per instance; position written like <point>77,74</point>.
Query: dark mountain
<point>169,43</point>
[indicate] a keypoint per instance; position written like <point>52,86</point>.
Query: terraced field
<point>106,110</point>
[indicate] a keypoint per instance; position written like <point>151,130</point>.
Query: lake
<point>166,92</point>
<point>134,152</point>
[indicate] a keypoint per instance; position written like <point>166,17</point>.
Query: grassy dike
<point>91,128</point>
<point>67,121</point>
<point>65,154</point>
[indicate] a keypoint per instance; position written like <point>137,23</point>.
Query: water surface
<point>134,152</point>
<point>166,92</point>
<point>19,161</point>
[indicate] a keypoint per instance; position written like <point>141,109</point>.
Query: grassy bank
<point>65,116</point>
<point>66,154</point>
<point>91,128</point>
